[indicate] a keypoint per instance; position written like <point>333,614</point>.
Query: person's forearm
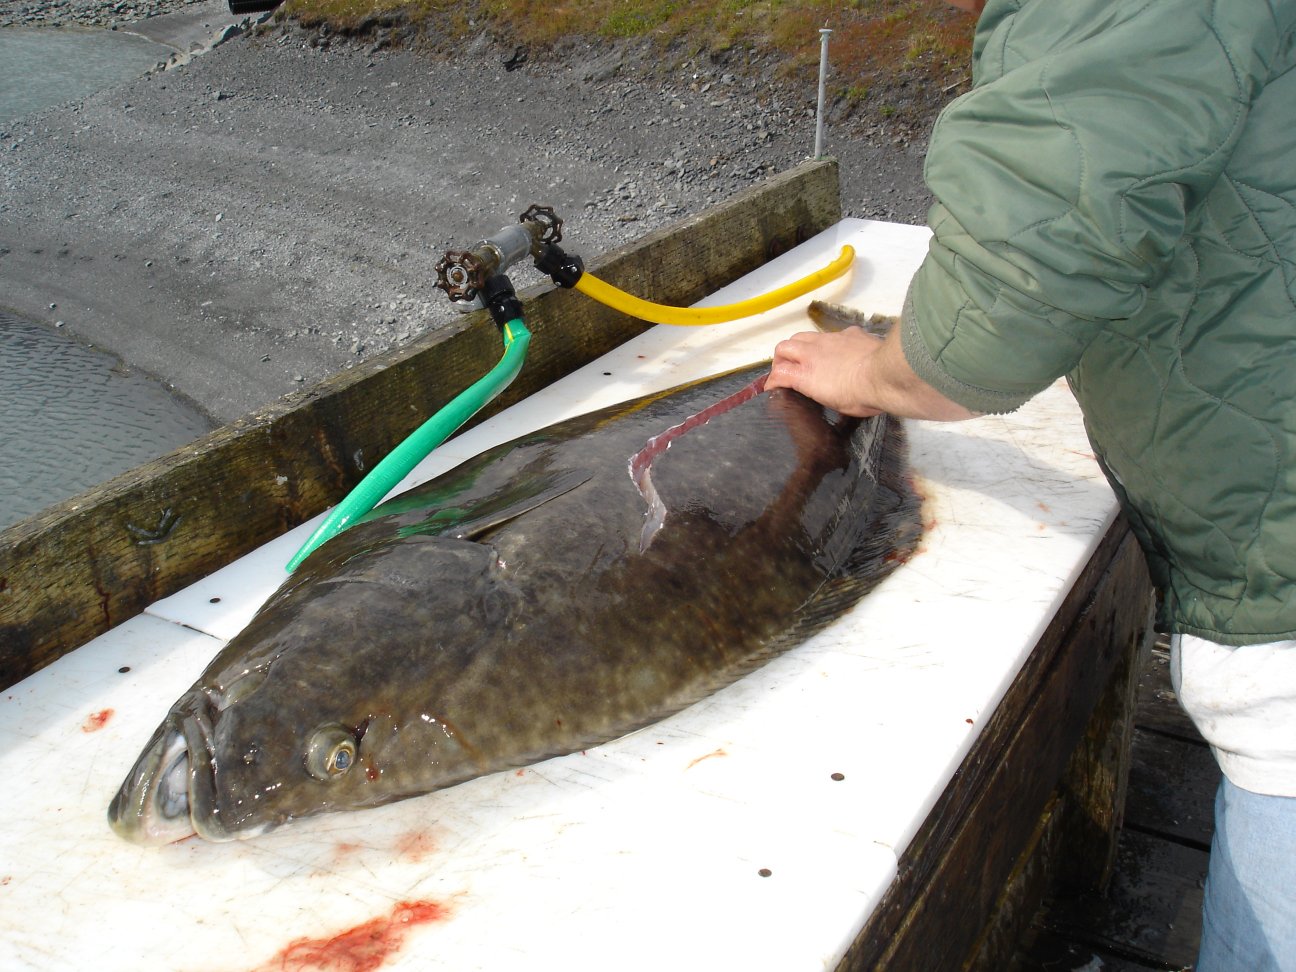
<point>896,389</point>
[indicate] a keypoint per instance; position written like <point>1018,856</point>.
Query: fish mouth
<point>153,804</point>
<point>169,795</point>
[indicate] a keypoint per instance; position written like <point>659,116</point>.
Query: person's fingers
<point>786,365</point>
<point>792,348</point>
<point>778,378</point>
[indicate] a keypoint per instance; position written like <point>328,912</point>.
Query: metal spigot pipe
<point>463,273</point>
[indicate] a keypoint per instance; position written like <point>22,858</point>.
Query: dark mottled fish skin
<point>516,608</point>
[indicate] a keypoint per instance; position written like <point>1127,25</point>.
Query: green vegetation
<point>878,47</point>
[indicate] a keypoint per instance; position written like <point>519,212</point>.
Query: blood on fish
<point>97,721</point>
<point>361,949</point>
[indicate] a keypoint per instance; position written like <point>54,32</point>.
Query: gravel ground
<point>269,213</point>
<point>85,13</point>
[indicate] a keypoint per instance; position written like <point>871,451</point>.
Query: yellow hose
<point>646,310</point>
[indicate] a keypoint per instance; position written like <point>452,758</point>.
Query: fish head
<point>321,703</point>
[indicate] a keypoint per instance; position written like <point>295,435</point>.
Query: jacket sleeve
<point>1065,183</point>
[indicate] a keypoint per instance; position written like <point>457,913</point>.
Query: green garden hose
<point>397,464</point>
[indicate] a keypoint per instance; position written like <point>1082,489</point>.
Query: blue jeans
<point>1249,912</point>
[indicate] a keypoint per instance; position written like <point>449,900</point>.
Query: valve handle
<point>461,274</point>
<point>550,222</point>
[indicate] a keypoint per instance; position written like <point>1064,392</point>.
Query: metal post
<point>823,77</point>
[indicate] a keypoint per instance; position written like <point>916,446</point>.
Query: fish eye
<point>332,751</point>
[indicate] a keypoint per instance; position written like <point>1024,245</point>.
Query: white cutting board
<point>717,838</point>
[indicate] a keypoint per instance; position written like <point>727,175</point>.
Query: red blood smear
<point>342,852</point>
<point>415,845</point>
<point>362,949</point>
<point>97,721</point>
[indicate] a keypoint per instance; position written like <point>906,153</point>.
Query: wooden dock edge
<point>77,569</point>
<point>1039,796</point>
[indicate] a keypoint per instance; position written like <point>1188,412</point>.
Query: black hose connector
<point>501,300</point>
<point>563,269</point>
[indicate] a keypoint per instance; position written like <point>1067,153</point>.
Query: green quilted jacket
<point>1116,202</point>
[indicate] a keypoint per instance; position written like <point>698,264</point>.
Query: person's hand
<point>831,368</point>
<point>858,374</point>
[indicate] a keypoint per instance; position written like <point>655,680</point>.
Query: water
<point>41,67</point>
<point>72,416</point>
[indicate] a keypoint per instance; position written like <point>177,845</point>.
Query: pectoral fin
<point>468,517</point>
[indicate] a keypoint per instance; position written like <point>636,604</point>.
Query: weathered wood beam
<point>950,876</point>
<point>75,570</point>
<point>1073,850</point>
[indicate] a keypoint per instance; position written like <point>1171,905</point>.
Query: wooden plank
<point>1025,888</point>
<point>1074,844</point>
<point>1036,946</point>
<point>949,877</point>
<point>1155,885</point>
<point>1170,800</point>
<point>1159,707</point>
<point>1095,784</point>
<point>1152,909</point>
<point>74,571</point>
<point>1043,949</point>
<point>1173,792</point>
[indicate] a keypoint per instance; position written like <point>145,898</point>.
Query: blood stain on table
<point>97,720</point>
<point>365,948</point>
<point>415,845</point>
